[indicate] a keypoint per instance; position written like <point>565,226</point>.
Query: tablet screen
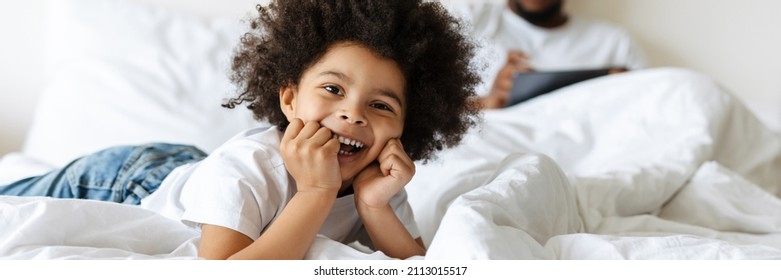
<point>532,84</point>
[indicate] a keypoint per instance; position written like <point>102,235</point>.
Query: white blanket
<point>651,164</point>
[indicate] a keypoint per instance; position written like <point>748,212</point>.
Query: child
<point>356,90</point>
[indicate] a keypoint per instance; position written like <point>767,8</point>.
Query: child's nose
<point>353,120</point>
<point>353,114</point>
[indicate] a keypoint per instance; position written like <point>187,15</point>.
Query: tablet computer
<point>532,84</point>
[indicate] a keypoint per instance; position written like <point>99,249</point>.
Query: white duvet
<point>650,164</point>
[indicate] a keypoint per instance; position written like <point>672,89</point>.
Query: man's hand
<point>517,62</point>
<point>378,182</point>
<point>310,154</point>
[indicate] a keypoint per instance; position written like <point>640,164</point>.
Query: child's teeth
<point>351,142</point>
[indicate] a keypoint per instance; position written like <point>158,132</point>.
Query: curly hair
<point>427,43</point>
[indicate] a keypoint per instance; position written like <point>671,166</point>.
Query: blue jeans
<point>123,174</point>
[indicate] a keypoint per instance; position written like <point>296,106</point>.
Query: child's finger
<point>322,136</point>
<point>390,148</point>
<point>393,156</point>
<point>293,129</point>
<point>332,146</point>
<point>397,166</point>
<point>309,130</point>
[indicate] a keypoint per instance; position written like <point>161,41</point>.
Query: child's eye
<point>382,106</point>
<point>333,89</point>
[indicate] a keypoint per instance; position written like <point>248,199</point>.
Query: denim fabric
<point>123,174</point>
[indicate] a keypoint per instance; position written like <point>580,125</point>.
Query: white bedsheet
<point>651,164</point>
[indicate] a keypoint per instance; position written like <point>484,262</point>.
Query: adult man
<point>537,35</point>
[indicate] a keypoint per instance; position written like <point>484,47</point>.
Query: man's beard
<point>542,17</point>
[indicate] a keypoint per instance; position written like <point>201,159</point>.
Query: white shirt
<point>578,44</point>
<point>243,185</point>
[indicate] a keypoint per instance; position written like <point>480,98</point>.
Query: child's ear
<point>287,99</point>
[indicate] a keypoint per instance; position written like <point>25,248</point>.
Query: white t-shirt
<point>243,185</point>
<point>578,44</point>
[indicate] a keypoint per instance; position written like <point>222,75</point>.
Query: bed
<point>650,164</point>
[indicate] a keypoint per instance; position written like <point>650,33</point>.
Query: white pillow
<point>123,72</point>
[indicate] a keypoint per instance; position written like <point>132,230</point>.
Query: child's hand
<point>378,182</point>
<point>309,151</point>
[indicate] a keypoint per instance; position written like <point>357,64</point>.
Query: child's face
<point>356,94</point>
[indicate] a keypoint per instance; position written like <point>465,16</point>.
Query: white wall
<point>734,41</point>
<point>21,67</point>
<point>737,42</point>
<point>22,27</point>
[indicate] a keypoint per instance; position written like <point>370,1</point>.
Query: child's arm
<point>374,187</point>
<point>308,151</point>
<point>289,237</point>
